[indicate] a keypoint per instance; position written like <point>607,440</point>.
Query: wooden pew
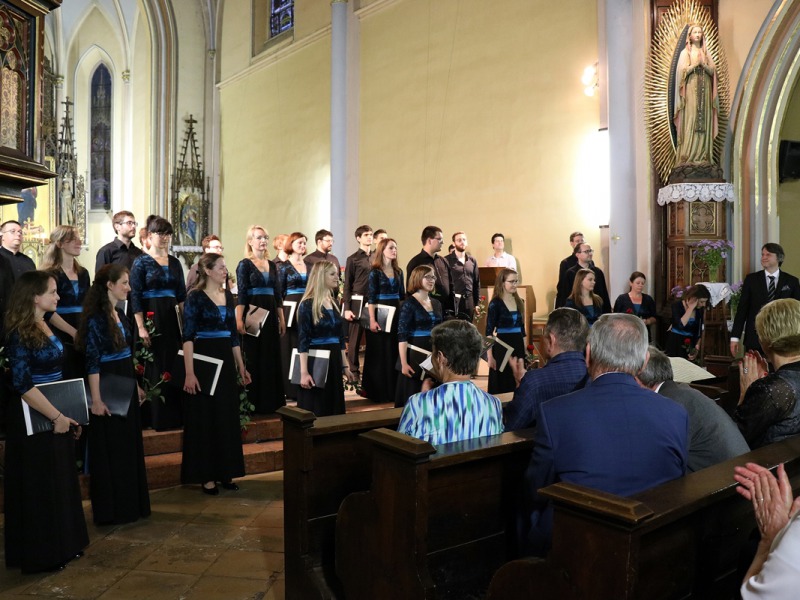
<point>323,461</point>
<point>682,539</point>
<point>436,522</point>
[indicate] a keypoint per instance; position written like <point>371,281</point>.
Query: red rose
<point>140,369</point>
<point>629,311</point>
<point>530,348</point>
<point>151,314</point>
<point>166,376</point>
<point>483,298</point>
<point>687,341</point>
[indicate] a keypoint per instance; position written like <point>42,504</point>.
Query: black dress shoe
<point>230,486</point>
<point>212,491</point>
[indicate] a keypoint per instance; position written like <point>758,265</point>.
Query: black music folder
<point>116,392</point>
<point>318,362</point>
<point>254,320</point>
<point>384,315</point>
<point>206,369</point>
<point>68,397</point>
<point>415,357</point>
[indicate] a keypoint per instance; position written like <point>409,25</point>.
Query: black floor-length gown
<point>212,441</point>
<point>44,524</point>
<point>118,485</point>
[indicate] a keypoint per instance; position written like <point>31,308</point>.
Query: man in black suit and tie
<point>757,289</point>
<point>575,239</point>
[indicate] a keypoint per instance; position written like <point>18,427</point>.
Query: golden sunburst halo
<point>668,41</point>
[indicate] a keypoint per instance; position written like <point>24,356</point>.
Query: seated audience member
<point>713,436</point>
<point>612,435</point>
<point>768,410</point>
<point>564,342</point>
<point>775,570</point>
<point>210,243</point>
<point>456,409</point>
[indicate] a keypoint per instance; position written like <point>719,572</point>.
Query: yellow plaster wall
<point>142,126</point>
<point>275,146</point>
<point>474,119</point>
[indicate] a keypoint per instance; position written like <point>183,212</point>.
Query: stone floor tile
<point>110,552</point>
<point>77,582</point>
<point>180,558</point>
<point>271,516</point>
<point>206,534</point>
<point>228,588</point>
<point>151,530</point>
<point>251,565</point>
<point>147,585</point>
<point>12,581</point>
<point>259,539</point>
<point>231,514</point>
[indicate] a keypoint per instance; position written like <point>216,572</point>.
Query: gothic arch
<point>760,104</point>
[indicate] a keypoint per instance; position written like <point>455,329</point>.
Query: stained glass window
<point>281,16</point>
<point>100,149</point>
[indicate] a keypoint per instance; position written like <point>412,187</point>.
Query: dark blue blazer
<point>613,436</point>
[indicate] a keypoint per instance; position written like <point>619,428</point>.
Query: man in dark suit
<point>575,238</point>
<point>757,289</point>
<point>583,256</point>
<point>713,436</point>
<point>612,435</point>
<point>432,239</point>
<point>466,280</point>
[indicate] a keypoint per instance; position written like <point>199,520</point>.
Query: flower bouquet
<point>712,253</point>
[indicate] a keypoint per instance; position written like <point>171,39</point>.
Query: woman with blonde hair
<point>320,328</point>
<point>72,281</point>
<point>257,278</point>
<point>385,286</point>
<point>768,409</point>
<point>44,523</point>
<point>505,319</point>
<point>212,443</point>
<point>419,314</point>
<point>583,298</point>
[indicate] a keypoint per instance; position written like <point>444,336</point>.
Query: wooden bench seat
<point>323,461</point>
<point>436,521</point>
<point>682,539</point>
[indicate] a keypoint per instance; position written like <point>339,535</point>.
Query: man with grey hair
<point>713,436</point>
<point>564,342</point>
<point>612,435</point>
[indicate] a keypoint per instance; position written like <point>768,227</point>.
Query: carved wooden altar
<point>21,90</point>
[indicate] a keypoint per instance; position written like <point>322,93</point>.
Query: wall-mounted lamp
<point>590,80</point>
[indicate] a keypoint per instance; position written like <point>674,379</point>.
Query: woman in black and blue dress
<point>505,320</point>
<point>636,302</point>
<point>212,441</point>
<point>257,280</point>
<point>685,333</point>
<point>320,328</point>
<point>118,485</point>
<point>157,288</point>
<point>418,316</point>
<point>292,275</point>
<point>385,286</point>
<point>583,298</point>
<point>72,281</point>
<point>44,523</point>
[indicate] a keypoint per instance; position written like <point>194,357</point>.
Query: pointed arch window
<point>100,146</point>
<point>281,17</point>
